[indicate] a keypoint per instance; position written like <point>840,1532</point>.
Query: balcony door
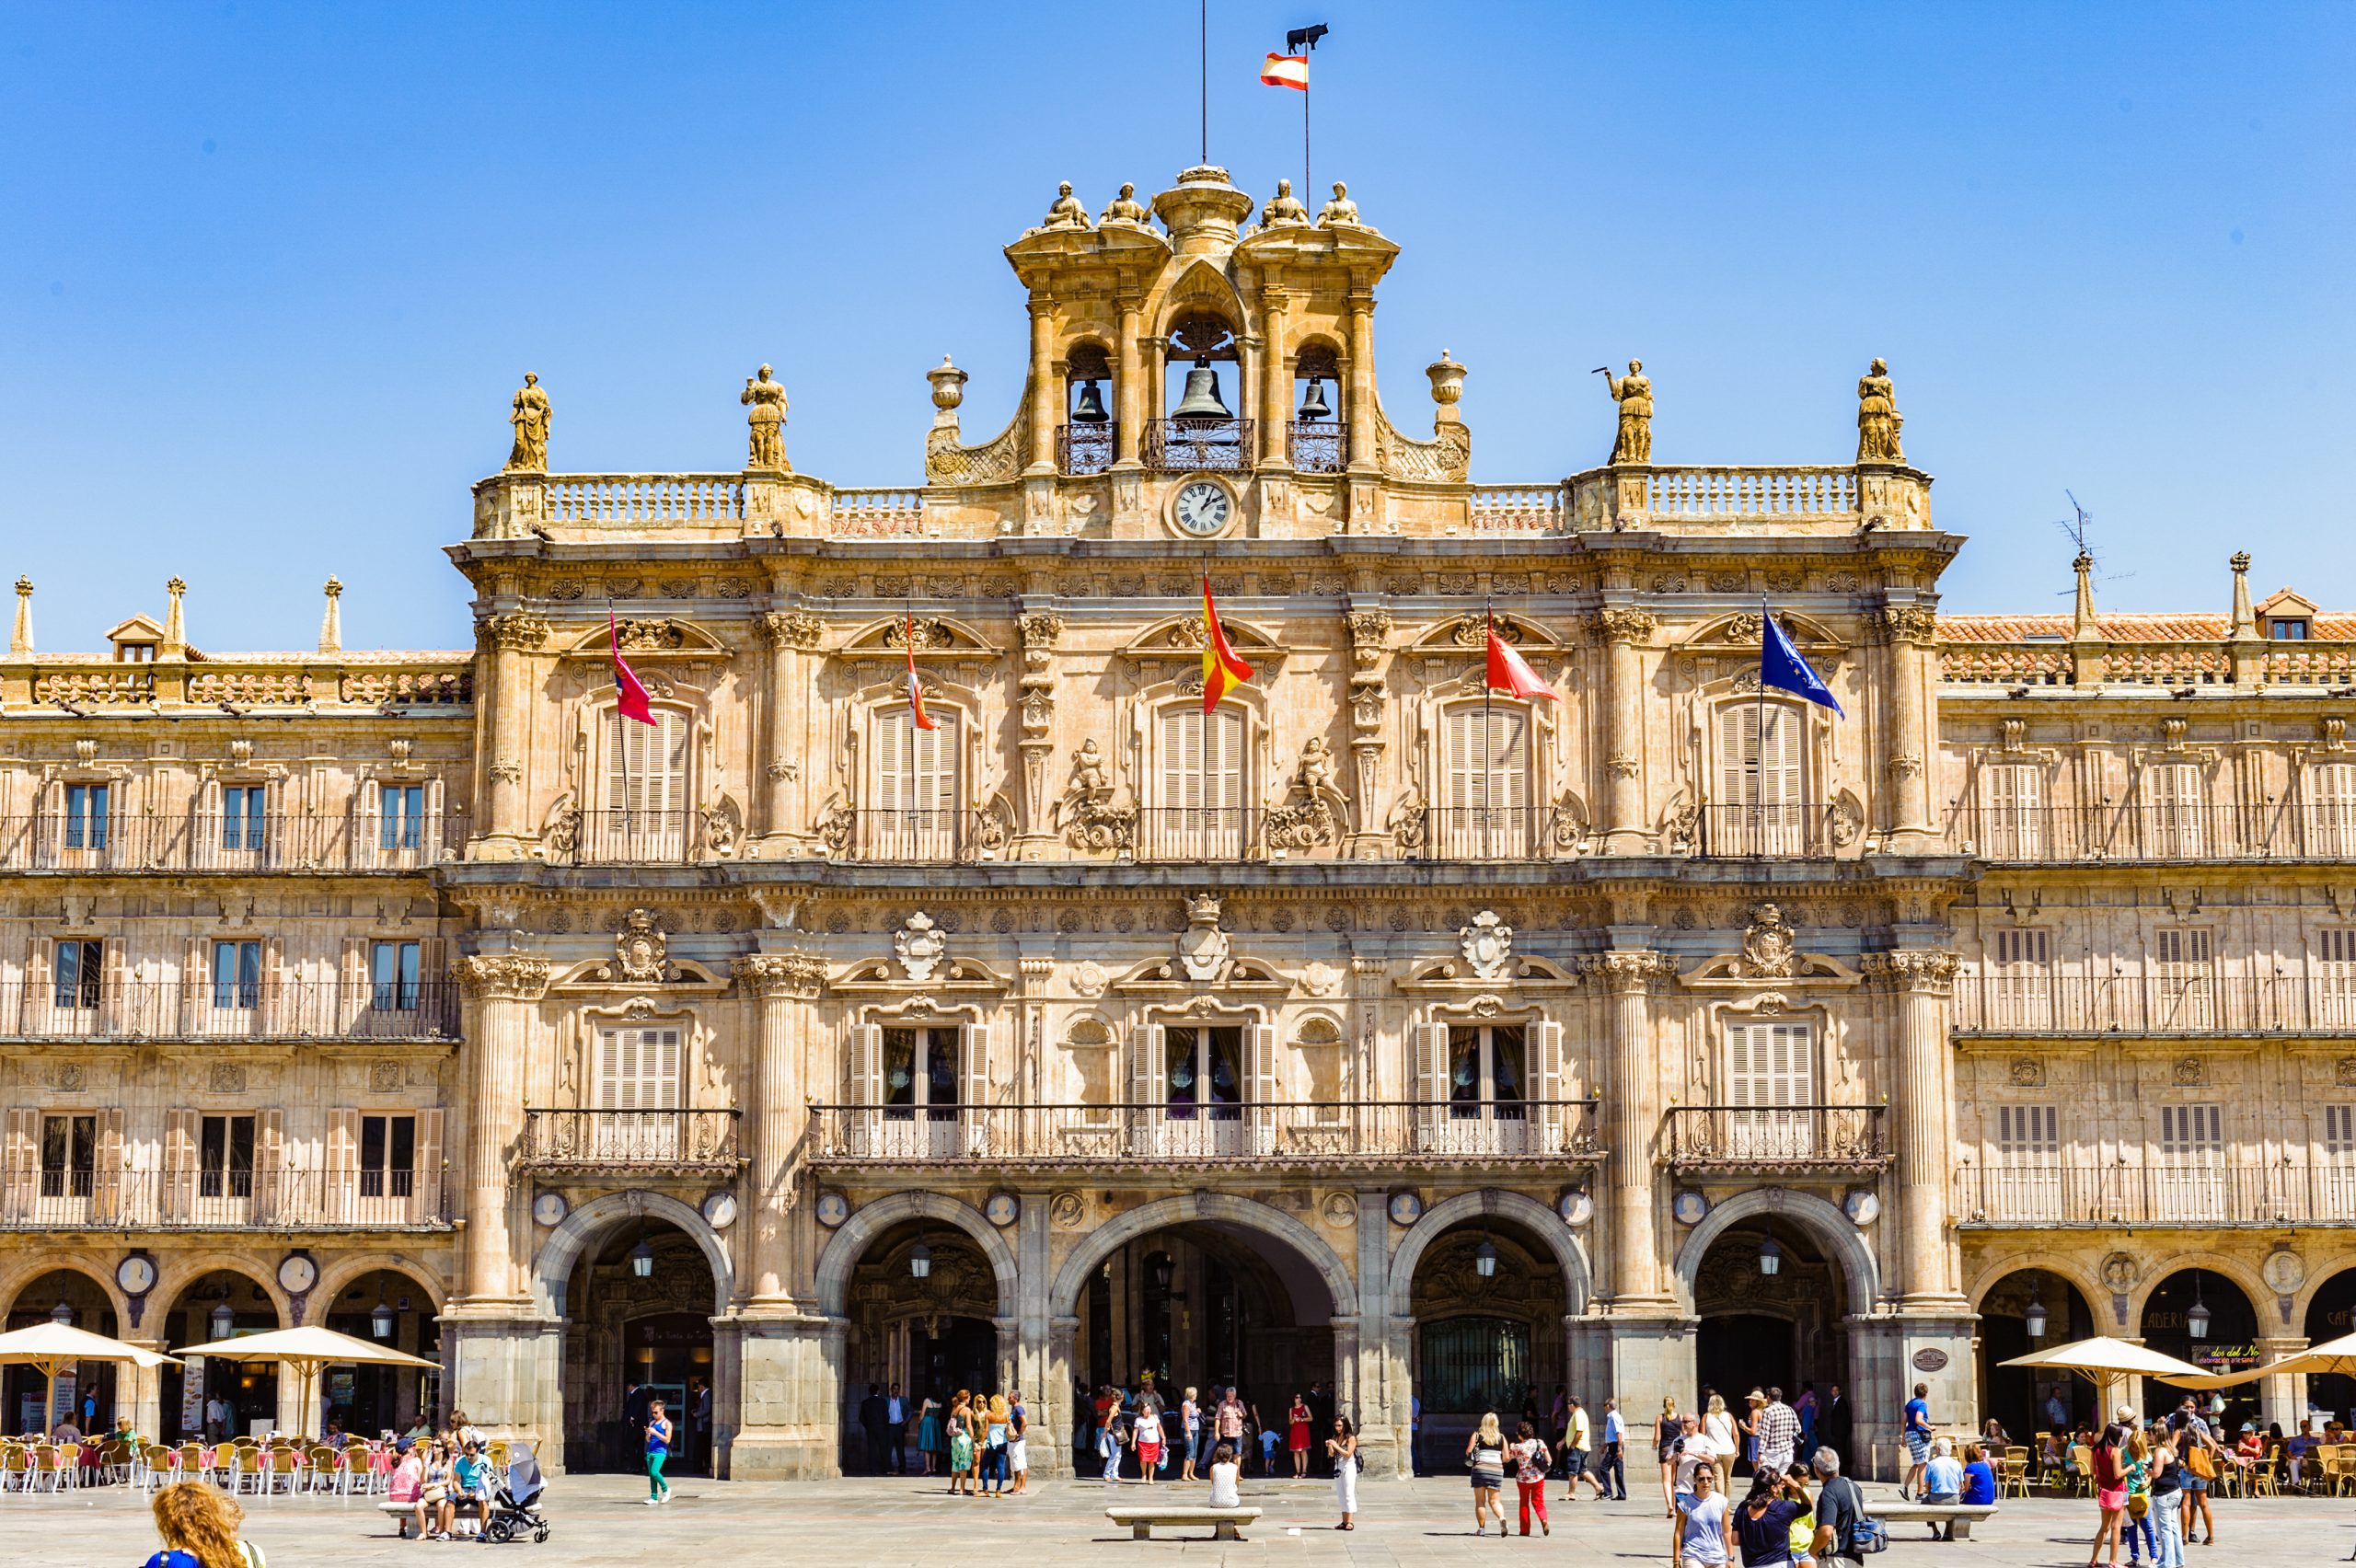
<point>921,1092</point>
<point>1201,815</point>
<point>2028,1164</point>
<point>1771,1083</point>
<point>1485,798</point>
<point>1760,786</point>
<point>2183,980</point>
<point>2013,820</point>
<point>638,1079</point>
<point>2335,988</point>
<point>2020,979</point>
<point>644,816</point>
<point>2173,814</point>
<point>2189,1182</point>
<point>2331,811</point>
<point>912,803</point>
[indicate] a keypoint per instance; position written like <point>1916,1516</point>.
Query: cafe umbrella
<point>2108,1361</point>
<point>307,1350</point>
<point>54,1346</point>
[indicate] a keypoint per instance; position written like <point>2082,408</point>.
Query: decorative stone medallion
<point>1002,1210</point>
<point>719,1210</point>
<point>919,944</point>
<point>2283,1272</point>
<point>1690,1208</point>
<point>1340,1209</point>
<point>833,1209</point>
<point>1406,1208</point>
<point>1861,1206</point>
<point>1576,1207</point>
<point>550,1209</point>
<point>2119,1273</point>
<point>1488,945</point>
<point>1066,1212</point>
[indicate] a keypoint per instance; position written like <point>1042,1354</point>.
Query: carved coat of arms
<point>1488,945</point>
<point>919,944</point>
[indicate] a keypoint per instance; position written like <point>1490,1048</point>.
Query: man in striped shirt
<point>1779,1434</point>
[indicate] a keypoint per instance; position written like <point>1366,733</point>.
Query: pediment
<point>1739,633</point>
<point>1736,971</point>
<point>137,629</point>
<point>1467,636</point>
<point>1449,974</point>
<point>649,637</point>
<point>1182,637</point>
<point>2286,602</point>
<point>956,975</point>
<point>680,977</point>
<point>1167,975</point>
<point>936,637</point>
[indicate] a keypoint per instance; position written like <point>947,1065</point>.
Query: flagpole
<point>621,740</point>
<point>1488,760</point>
<point>1203,736</point>
<point>1307,184</point>
<point>1205,18</point>
<point>1759,747</point>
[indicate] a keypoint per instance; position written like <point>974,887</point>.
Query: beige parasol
<point>2109,1361</point>
<point>2331,1355</point>
<point>306,1350</point>
<point>50,1347</point>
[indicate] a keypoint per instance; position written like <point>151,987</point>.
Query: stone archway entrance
<point>1771,1304</point>
<point>2331,1314</point>
<point>2226,1342</point>
<point>86,1393</point>
<point>389,1308</point>
<point>216,1395</point>
<point>923,1301</point>
<point>2024,1398</point>
<point>639,1329</point>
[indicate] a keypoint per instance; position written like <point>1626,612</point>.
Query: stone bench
<point>1957,1516</point>
<point>1141,1517</point>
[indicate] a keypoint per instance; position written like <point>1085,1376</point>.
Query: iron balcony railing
<point>1317,447</point>
<point>1787,830</point>
<point>1086,448</point>
<point>2177,1191</point>
<point>101,840</point>
<point>1178,446</point>
<point>1483,832</point>
<point>192,1197</point>
<point>915,836</point>
<point>1199,833</point>
<point>1777,1137</point>
<point>263,1008</point>
<point>670,836</point>
<point>2155,833</point>
<point>1554,1132</point>
<point>655,1141</point>
<point>2034,1001</point>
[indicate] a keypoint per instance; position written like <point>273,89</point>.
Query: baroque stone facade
<point>1745,1041</point>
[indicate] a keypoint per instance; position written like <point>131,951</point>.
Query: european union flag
<point>1781,666</point>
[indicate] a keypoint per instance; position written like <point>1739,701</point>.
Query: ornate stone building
<point>1374,1029</point>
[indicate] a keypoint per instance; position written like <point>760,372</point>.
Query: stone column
<point>1370,696</point>
<point>1911,629</point>
<point>1625,831</point>
<point>1276,382</point>
<point>1361,370</point>
<point>1046,408</point>
<point>505,700</point>
<point>781,985</point>
<point>2282,1399</point>
<point>1632,1102</point>
<point>783,633</point>
<point>502,992</point>
<point>1128,391</point>
<point>1922,1111</point>
<point>1378,1382</point>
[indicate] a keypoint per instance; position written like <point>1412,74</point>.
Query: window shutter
<point>425,1189</point>
<point>342,1176</point>
<point>1547,1072</point>
<point>1226,764</point>
<point>1151,1065</point>
<point>973,1080</point>
<point>269,1163</point>
<point>22,1164</point>
<point>866,1064</point>
<point>1267,1087</point>
<point>179,1163</point>
<point>1737,744</point>
<point>106,1177</point>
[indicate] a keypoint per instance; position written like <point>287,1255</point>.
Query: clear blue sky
<point>269,272</point>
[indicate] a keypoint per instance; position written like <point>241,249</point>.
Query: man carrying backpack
<point>1840,1523</point>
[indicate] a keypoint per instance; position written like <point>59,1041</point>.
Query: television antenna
<point>2078,529</point>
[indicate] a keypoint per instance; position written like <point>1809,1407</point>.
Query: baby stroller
<point>516,1508</point>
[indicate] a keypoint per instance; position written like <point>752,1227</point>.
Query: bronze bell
<point>1312,406</point>
<point>1091,406</point>
<point>1202,400</point>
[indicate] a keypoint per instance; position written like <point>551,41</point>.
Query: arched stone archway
<point>861,1230</point>
<point>1217,1207</point>
<point>552,1267</point>
<point>1542,1223</point>
<point>345,1269</point>
<point>1821,1220</point>
<point>31,1266</point>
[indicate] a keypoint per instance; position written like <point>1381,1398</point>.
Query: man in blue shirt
<point>470,1482</point>
<point>1614,1468</point>
<point>1917,1432</point>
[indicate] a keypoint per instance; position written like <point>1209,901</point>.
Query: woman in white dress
<point>1341,1447</point>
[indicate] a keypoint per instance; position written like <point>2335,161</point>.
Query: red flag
<point>629,696</point>
<point>1508,671</point>
<point>1222,671</point>
<point>916,692</point>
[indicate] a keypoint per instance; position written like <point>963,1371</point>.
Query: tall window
<point>400,816</point>
<point>1770,1080</point>
<point>392,972</point>
<point>913,804</point>
<point>388,1156</point>
<point>2191,1176</point>
<point>2014,827</point>
<point>2173,818</point>
<point>236,975</point>
<point>1486,1073</point>
<point>2331,809</point>
<point>224,1156</point>
<point>2183,990</point>
<point>2028,1162</point>
<point>2337,1186</point>
<point>921,1074</point>
<point>1484,803</point>
<point>69,1156</point>
<point>242,820</point>
<point>637,1069</point>
<point>2340,1131</point>
<point>2335,977</point>
<point>81,969</point>
<point>85,816</point>
<point>646,790</point>
<point>1759,807</point>
<point>1203,1073</point>
<point>2020,976</point>
<point>1201,814</point>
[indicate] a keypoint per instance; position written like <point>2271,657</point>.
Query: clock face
<point>297,1274</point>
<point>1202,507</point>
<point>136,1276</point>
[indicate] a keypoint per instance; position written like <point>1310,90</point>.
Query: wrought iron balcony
<point>1783,830</point>
<point>1086,448</point>
<point>915,836</point>
<point>263,1008</point>
<point>190,1197</point>
<point>2059,1191</point>
<point>2034,1001</point>
<point>2080,835</point>
<point>1291,1134</point>
<point>1178,446</point>
<point>1317,447</point>
<point>219,841</point>
<point>696,1143</point>
<point>1792,1138</point>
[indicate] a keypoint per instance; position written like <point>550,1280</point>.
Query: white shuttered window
<point>913,801</point>
<point>1770,1065</point>
<point>1760,786</point>
<point>1201,799</point>
<point>1485,801</point>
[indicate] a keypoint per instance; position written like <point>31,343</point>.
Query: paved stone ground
<point>906,1524</point>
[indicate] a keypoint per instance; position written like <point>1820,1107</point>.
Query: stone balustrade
<point>615,500</point>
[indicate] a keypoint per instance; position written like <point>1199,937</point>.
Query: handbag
<point>2138,1504</point>
<point>2199,1462</point>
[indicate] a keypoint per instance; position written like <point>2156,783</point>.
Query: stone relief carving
<point>1203,948</point>
<point>921,946</point>
<point>1313,811</point>
<point>1488,945</point>
<point>1086,816</point>
<point>1770,946</point>
<point>641,953</point>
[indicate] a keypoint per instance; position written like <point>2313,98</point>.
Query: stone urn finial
<point>1448,380</point>
<point>948,387</point>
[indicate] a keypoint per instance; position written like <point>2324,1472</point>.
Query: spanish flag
<point>922,720</point>
<point>1222,671</point>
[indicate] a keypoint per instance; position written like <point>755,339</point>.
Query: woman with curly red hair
<point>199,1530</point>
